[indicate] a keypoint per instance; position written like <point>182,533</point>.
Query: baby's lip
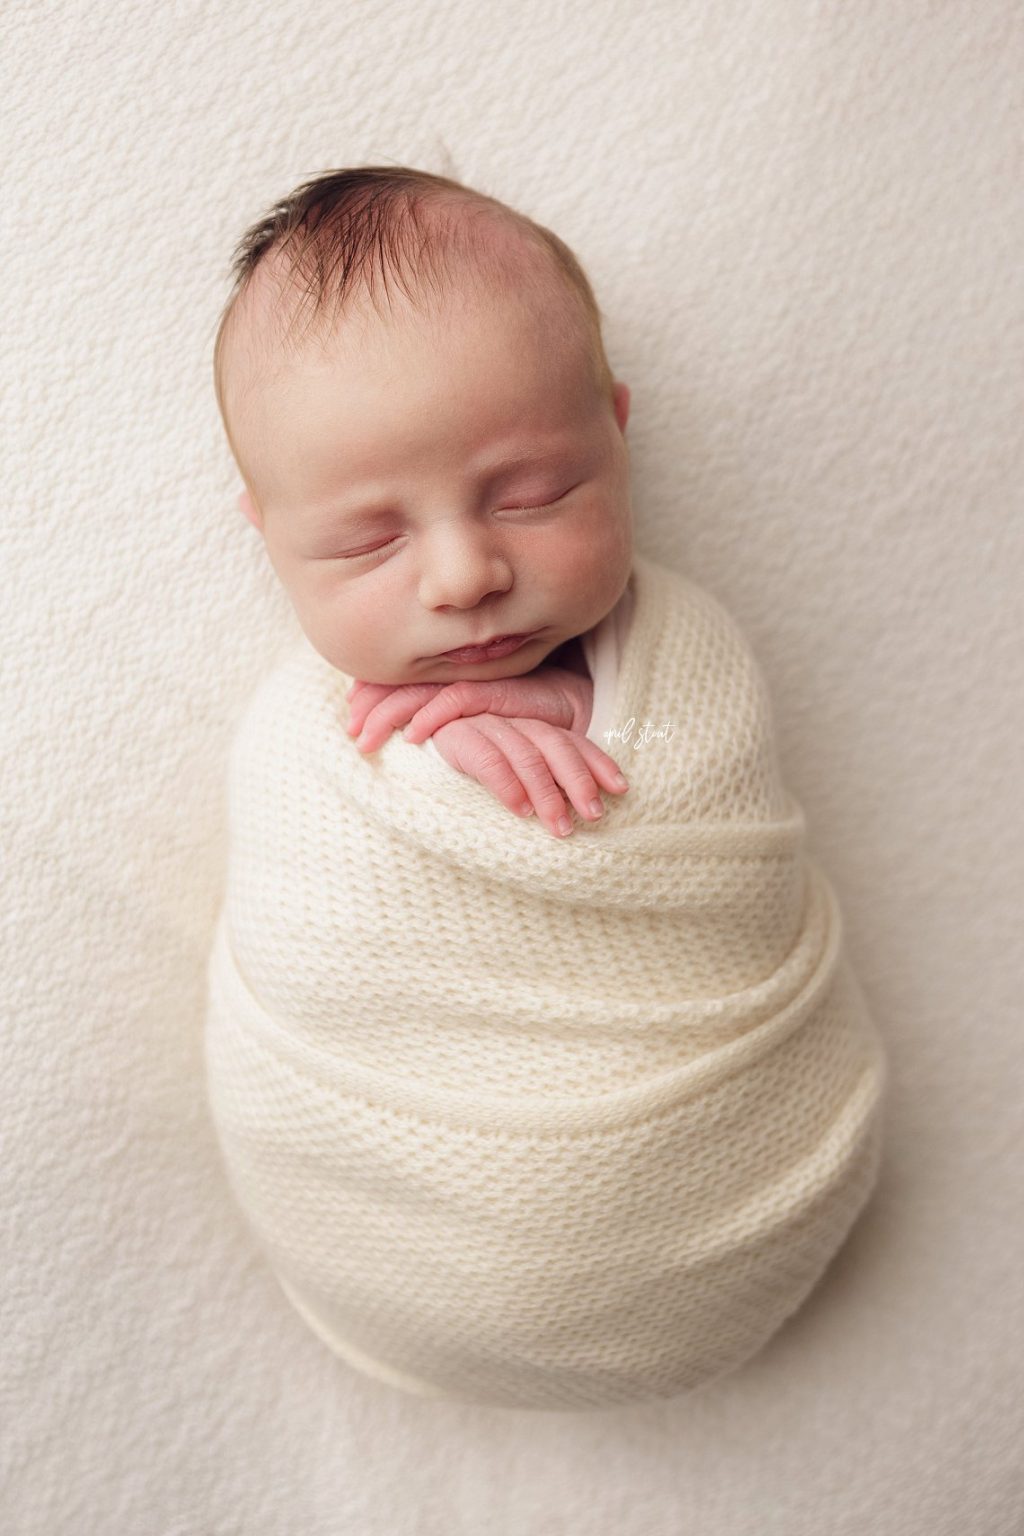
<point>478,645</point>
<point>481,645</point>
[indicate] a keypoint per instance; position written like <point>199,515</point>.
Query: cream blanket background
<point>804,223</point>
<point>531,1123</point>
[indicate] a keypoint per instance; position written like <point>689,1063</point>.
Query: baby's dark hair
<point>335,234</point>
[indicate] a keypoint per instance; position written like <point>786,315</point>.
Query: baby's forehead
<point>277,321</point>
<point>259,332</point>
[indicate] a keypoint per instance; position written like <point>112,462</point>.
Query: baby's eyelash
<point>367,554</point>
<point>535,506</point>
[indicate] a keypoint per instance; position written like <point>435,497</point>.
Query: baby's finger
<point>568,763</point>
<point>604,768</point>
<point>528,763</point>
<point>452,701</point>
<point>476,754</point>
<point>362,696</point>
<point>374,723</point>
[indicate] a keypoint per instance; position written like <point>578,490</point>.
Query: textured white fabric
<point>530,1122</point>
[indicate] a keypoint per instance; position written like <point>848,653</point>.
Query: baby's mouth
<point>504,645</point>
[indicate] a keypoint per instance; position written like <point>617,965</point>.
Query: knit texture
<point>531,1122</point>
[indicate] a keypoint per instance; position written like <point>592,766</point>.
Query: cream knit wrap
<point>530,1122</point>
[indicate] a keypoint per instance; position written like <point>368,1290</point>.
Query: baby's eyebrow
<point>512,461</point>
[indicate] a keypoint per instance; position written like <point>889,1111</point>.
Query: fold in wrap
<point>530,1122</point>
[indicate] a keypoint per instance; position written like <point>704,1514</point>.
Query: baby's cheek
<point>597,574</point>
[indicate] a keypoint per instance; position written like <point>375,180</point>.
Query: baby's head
<point>438,469</point>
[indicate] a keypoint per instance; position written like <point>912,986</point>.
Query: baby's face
<point>424,486</point>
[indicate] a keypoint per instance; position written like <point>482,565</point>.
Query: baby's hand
<point>550,693</point>
<point>523,761</point>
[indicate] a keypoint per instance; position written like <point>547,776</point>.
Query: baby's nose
<point>464,577</point>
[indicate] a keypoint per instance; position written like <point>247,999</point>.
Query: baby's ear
<point>248,506</point>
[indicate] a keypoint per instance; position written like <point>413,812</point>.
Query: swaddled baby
<point>516,1121</point>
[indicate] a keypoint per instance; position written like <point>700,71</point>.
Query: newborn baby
<point>516,1120</point>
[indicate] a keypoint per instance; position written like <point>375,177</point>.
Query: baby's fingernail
<point>525,810</point>
<point>620,781</point>
<point>596,808</point>
<point>564,826</point>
